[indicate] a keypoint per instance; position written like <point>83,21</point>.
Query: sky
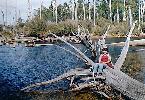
<point>22,8</point>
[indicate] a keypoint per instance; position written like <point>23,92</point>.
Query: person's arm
<point>109,57</point>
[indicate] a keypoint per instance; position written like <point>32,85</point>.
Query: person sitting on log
<point>105,58</point>
<point>98,69</point>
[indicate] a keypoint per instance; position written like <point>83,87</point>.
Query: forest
<point>91,16</point>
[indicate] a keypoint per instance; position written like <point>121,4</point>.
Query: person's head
<point>105,49</point>
<point>104,52</point>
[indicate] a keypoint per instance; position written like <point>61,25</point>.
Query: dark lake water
<point>22,66</point>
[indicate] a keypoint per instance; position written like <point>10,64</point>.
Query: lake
<point>21,66</point>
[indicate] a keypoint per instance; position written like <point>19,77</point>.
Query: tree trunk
<point>142,11</point>
<point>89,9</point>
<point>139,15</point>
<point>54,4</point>
<point>72,9</point>
<point>117,15</point>
<point>130,17</point>
<point>29,10</point>
<point>124,13</point>
<point>84,10</point>
<point>94,12</point>
<point>56,11</point>
<point>110,11</point>
<point>40,9</point>
<point>76,10</point>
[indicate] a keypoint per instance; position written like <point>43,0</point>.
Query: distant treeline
<point>92,16</point>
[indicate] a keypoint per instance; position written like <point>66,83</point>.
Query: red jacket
<point>106,59</point>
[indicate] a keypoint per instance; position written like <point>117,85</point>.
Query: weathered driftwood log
<point>87,42</point>
<point>105,35</point>
<point>89,61</point>
<point>124,51</point>
<point>71,73</point>
<point>125,84</point>
<point>121,82</point>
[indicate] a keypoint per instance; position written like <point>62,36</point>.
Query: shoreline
<point>111,36</point>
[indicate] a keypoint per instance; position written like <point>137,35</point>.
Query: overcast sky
<point>22,7</point>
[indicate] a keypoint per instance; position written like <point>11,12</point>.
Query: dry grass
<point>132,64</point>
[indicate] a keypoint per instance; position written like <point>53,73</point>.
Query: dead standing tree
<point>54,4</point>
<point>72,9</point>
<point>124,12</point>
<point>76,9</point>
<point>89,3</point>
<point>94,4</point>
<point>85,38</point>
<point>84,9</point>
<point>110,10</point>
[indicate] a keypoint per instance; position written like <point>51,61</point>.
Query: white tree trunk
<point>130,18</point>
<point>117,15</point>
<point>54,4</point>
<point>76,10</point>
<point>89,9</point>
<point>124,13</point>
<point>110,8</point>
<point>114,18</point>
<point>84,9</point>
<point>72,9</point>
<point>40,9</point>
<point>56,13</point>
<point>29,10</point>
<point>79,30</point>
<point>3,15</point>
<point>139,14</point>
<point>142,11</point>
<point>94,12</point>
